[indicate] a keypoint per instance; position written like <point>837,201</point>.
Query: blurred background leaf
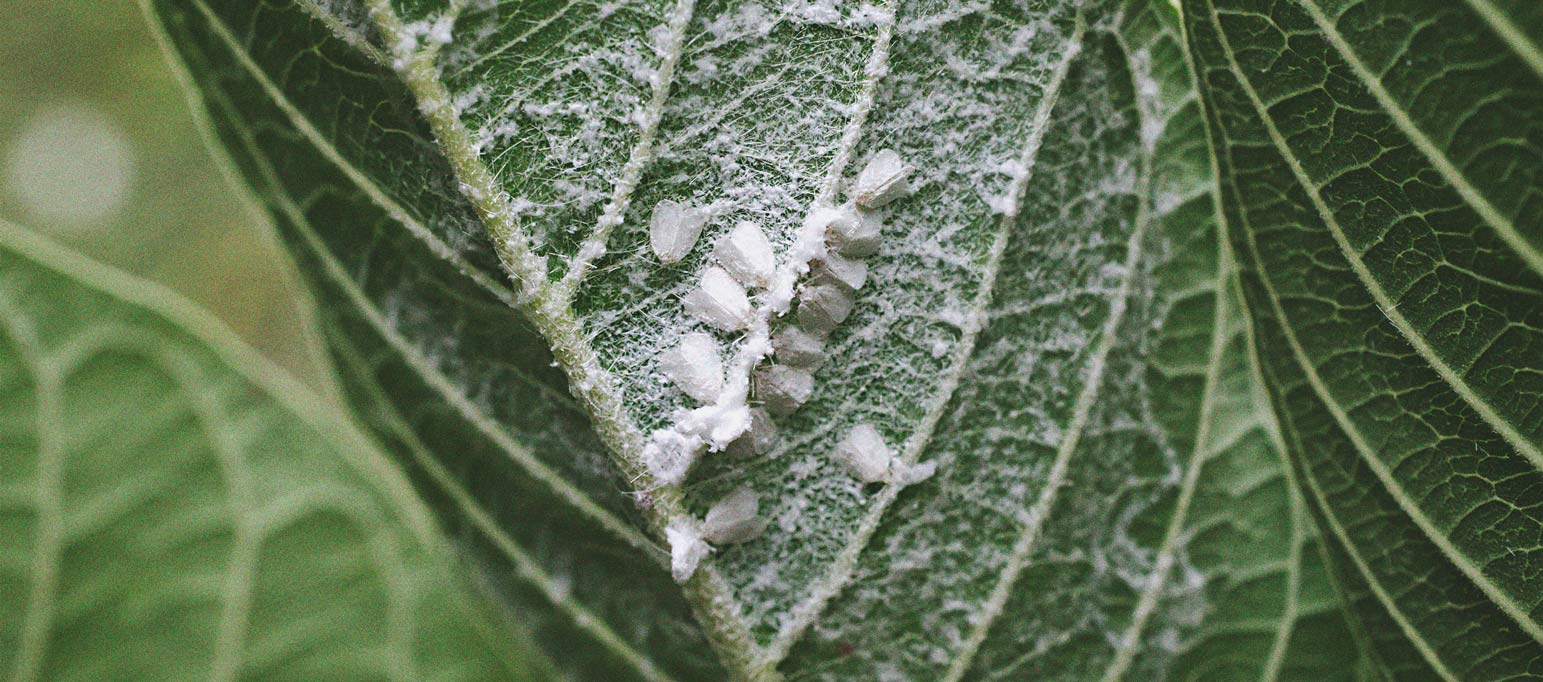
<point>98,150</point>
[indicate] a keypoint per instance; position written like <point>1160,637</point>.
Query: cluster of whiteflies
<point>726,419</point>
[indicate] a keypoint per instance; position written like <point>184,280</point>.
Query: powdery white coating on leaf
<point>865,454</point>
<point>884,179</point>
<point>747,255</point>
<point>687,549</point>
<point>735,518</point>
<point>674,229</point>
<point>720,301</point>
<point>695,366</point>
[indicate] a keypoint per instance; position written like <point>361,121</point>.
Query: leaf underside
<point>1381,167</point>
<point>171,511</point>
<point>1053,318</point>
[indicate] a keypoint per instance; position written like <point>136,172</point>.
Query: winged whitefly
<point>834,269</point>
<point>720,301</point>
<point>673,230</point>
<point>865,454</point>
<point>687,549</point>
<point>670,454</point>
<point>747,254</point>
<point>903,474</point>
<point>885,179</point>
<point>735,518</point>
<point>853,233</point>
<point>783,389</point>
<point>794,346</point>
<point>761,437</point>
<point>694,366</point>
<point>821,307</point>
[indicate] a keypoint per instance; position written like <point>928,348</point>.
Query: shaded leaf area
<point>1048,319</point>
<point>1398,321</point>
<point>431,353</point>
<point>1112,504</point>
<point>173,510</point>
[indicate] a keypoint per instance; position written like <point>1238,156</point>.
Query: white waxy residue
<point>694,366</point>
<point>735,518</point>
<point>885,179</point>
<point>720,301</point>
<point>687,549</point>
<point>674,229</point>
<point>747,255</point>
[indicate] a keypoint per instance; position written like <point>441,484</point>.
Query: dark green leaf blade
<point>1398,322</point>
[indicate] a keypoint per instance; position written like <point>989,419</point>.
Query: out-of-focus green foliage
<point>87,76</point>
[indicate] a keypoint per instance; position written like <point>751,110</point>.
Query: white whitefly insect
<point>687,550</point>
<point>747,255</point>
<point>852,234</point>
<point>669,455</point>
<point>865,454</point>
<point>834,269</point>
<point>796,347</point>
<point>735,518</point>
<point>720,301</point>
<point>674,229</point>
<point>761,437</point>
<point>823,306</point>
<point>783,389</point>
<point>885,179</point>
<point>694,366</point>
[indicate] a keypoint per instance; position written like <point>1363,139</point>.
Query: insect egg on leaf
<point>720,301</point>
<point>673,230</point>
<point>694,366</point>
<point>747,254</point>
<point>735,518</point>
<point>885,179</point>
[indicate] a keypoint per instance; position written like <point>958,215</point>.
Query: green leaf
<point>1050,320</point>
<point>174,508</point>
<point>1382,168</point>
